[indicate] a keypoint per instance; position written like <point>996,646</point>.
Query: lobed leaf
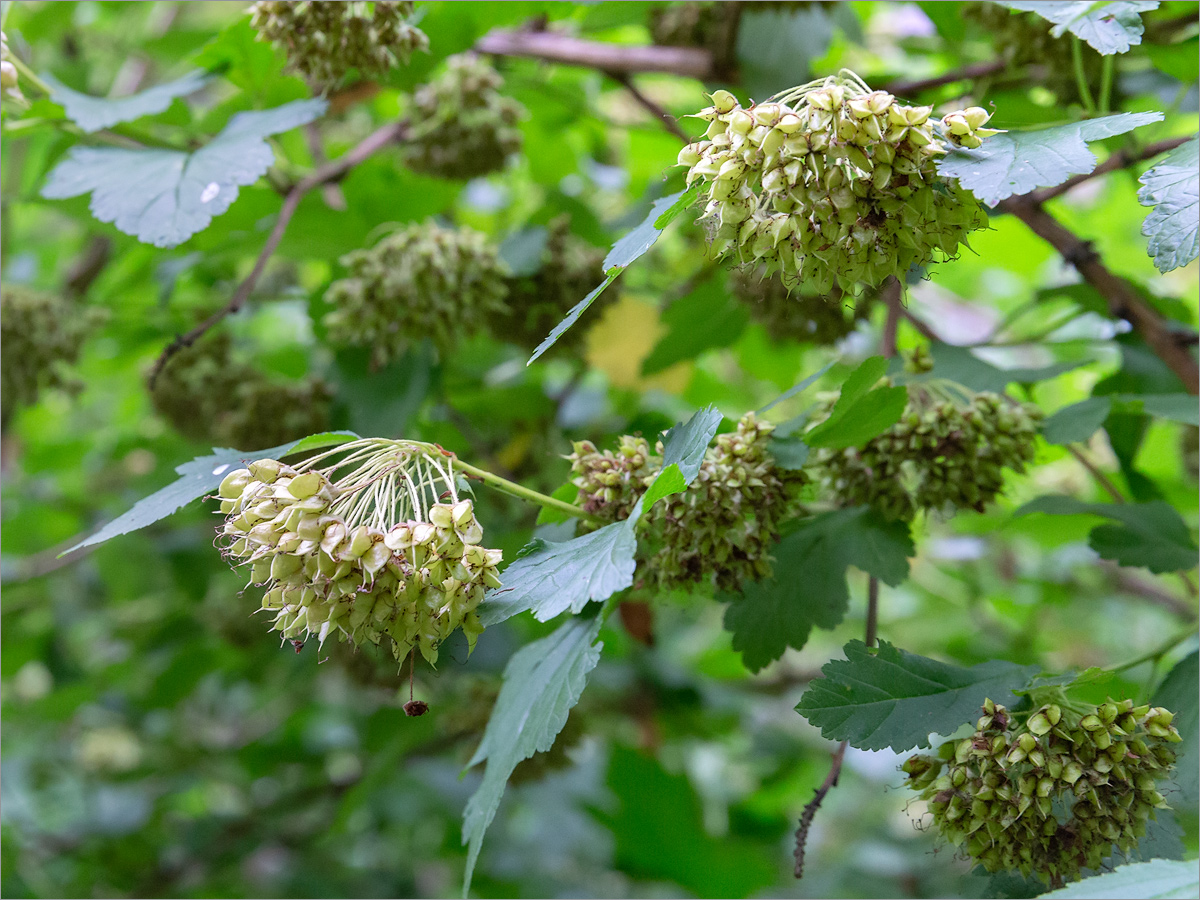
<point>892,698</point>
<point>1108,27</point>
<point>1172,187</point>
<point>163,197</point>
<point>960,365</point>
<point>1079,421</point>
<point>1016,162</point>
<point>94,113</point>
<point>1158,879</point>
<point>861,412</point>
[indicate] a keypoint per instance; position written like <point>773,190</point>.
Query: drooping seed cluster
<point>570,268</point>
<point>796,314</point>
<point>423,281</point>
<point>325,41</point>
<point>942,455</point>
<point>210,394</point>
<point>40,337</point>
<point>721,529</point>
<point>1051,795</point>
<point>461,126</point>
<point>358,549</point>
<point>833,184</point>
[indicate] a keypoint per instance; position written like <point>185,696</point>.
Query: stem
<point>1158,652</point>
<point>1085,92</point>
<point>26,74</point>
<point>872,612</point>
<point>1101,478</point>
<point>524,493</point>
<point>1106,83</point>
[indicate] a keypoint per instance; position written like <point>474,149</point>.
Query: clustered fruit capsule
<point>798,314</point>
<point>720,530</point>
<point>363,548</point>
<point>324,41</point>
<point>1053,794</point>
<point>833,184</point>
<point>423,281</point>
<point>461,126</point>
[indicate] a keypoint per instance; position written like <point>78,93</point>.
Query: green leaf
<point>799,388</point>
<point>1172,187</point>
<point>163,197</point>
<point>1159,879</point>
<point>658,826</point>
<point>703,319</point>
<point>1178,693</point>
<point>548,515</point>
<point>860,412</point>
<point>522,250</point>
<point>94,113</point>
<point>1108,27</point>
<point>550,578</point>
<point>1076,422</point>
<point>542,682</point>
<point>808,585</point>
<point>893,698</point>
<point>622,254</point>
<point>1016,162</point>
<point>1152,534</point>
<point>776,47</point>
<point>197,478</point>
<point>960,365</point>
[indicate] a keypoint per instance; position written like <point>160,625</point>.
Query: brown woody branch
<point>1122,159</point>
<point>966,73</point>
<point>627,59</point>
<point>668,121</point>
<point>330,172</point>
<point>810,808</point>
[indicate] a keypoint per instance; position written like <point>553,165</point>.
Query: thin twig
<point>329,172</point>
<point>966,73</point>
<point>87,268</point>
<point>1101,479</point>
<point>668,121</point>
<point>552,46</point>
<point>872,628</point>
<point>1122,159</point>
<point>890,294</point>
<point>810,808</point>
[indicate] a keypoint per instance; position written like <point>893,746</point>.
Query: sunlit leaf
<point>1109,27</point>
<point>1172,187</point>
<point>94,113</point>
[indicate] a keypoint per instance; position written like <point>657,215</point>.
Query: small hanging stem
<point>524,493</point>
<point>1106,83</point>
<point>1085,92</point>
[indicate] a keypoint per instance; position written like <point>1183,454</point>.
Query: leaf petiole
<point>520,491</point>
<point>1085,92</point>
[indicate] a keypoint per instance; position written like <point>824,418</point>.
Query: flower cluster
<point>208,394</point>
<point>9,77</point>
<point>570,268</point>
<point>325,40</point>
<point>40,337</point>
<point>943,453</point>
<point>833,184</point>
<point>461,126</point>
<point>1054,794</point>
<point>796,314</point>
<point>362,548</point>
<point>721,529</point>
<point>421,281</point>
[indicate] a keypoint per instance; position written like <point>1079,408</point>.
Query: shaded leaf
<point>163,197</point>
<point>522,250</point>
<point>94,113</point>
<point>1108,27</point>
<point>1172,187</point>
<point>542,682</point>
<point>1158,879</point>
<point>703,319</point>
<point>1016,162</point>
<point>960,365</point>
<point>1076,422</point>
<point>802,386</point>
<point>808,586</point>
<point>1151,534</point>
<point>896,699</point>
<point>199,477</point>
<point>1178,693</point>
<point>776,46</point>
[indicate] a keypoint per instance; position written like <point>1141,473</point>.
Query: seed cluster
<point>461,125</point>
<point>208,394</point>
<point>941,455</point>
<point>324,41</point>
<point>721,529</point>
<point>833,184</point>
<point>570,268</point>
<point>40,337</point>
<point>1051,795</point>
<point>796,314</point>
<point>365,555</point>
<point>422,281</point>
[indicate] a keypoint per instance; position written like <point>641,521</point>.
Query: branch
<point>669,122</point>
<point>1120,160</point>
<point>891,295</point>
<point>551,46</point>
<point>810,808</point>
<point>329,172</point>
<point>1123,298</point>
<point>966,73</point>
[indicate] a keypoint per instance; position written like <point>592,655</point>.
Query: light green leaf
<point>1076,422</point>
<point>1152,534</point>
<point>892,698</point>
<point>94,113</point>
<point>201,476</point>
<point>1158,879</point>
<point>1172,187</point>
<point>163,197</point>
<point>1108,27</point>
<point>1016,162</point>
<point>542,682</point>
<point>804,385</point>
<point>808,586</point>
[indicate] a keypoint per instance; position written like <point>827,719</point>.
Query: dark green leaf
<point>1172,187</point>
<point>1178,693</point>
<point>163,197</point>
<point>1149,534</point>
<point>522,250</point>
<point>1109,27</point>
<point>94,113</point>
<point>960,365</point>
<point>896,699</point>
<point>1076,422</point>
<point>798,388</point>
<point>542,682</point>
<point>197,478</point>
<point>808,585</point>
<point>776,46</point>
<point>870,416</point>
<point>704,319</point>
<point>1159,879</point>
<point>1017,162</point>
